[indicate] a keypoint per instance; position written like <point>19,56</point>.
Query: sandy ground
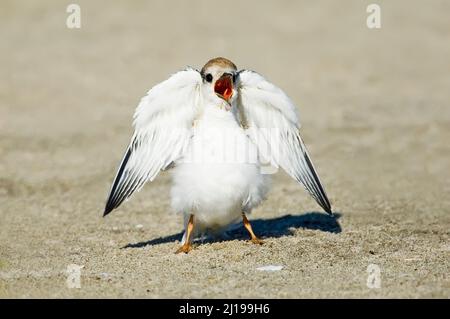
<point>375,111</point>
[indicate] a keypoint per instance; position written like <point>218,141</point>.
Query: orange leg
<point>247,226</point>
<point>187,247</point>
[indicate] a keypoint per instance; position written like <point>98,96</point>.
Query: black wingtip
<point>320,196</point>
<point>107,211</point>
<point>109,207</point>
<point>325,202</point>
<point>112,202</point>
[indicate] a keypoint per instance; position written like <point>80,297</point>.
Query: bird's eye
<point>208,77</point>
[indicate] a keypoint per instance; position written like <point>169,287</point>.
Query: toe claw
<point>184,249</point>
<point>257,241</point>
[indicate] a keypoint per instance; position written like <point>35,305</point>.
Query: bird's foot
<point>257,241</point>
<point>184,249</point>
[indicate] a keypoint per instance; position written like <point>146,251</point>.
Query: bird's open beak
<point>224,87</point>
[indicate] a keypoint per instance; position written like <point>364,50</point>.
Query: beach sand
<point>375,112</point>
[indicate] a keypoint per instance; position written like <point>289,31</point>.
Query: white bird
<point>218,129</point>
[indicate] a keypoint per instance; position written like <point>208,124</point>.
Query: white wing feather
<point>163,126</point>
<point>272,122</point>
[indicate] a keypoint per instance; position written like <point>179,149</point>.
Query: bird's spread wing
<point>272,123</point>
<point>163,124</point>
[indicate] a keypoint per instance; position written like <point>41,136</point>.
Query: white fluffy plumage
<point>218,129</point>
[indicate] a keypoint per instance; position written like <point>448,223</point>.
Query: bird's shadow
<point>265,228</point>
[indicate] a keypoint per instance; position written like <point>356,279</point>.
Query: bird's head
<point>219,79</point>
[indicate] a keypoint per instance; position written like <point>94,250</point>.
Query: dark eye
<point>208,77</point>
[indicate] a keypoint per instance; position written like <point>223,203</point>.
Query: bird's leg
<point>186,247</point>
<point>248,226</point>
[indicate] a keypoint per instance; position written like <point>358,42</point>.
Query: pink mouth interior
<point>224,87</point>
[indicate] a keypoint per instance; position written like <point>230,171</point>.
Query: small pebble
<point>270,268</point>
